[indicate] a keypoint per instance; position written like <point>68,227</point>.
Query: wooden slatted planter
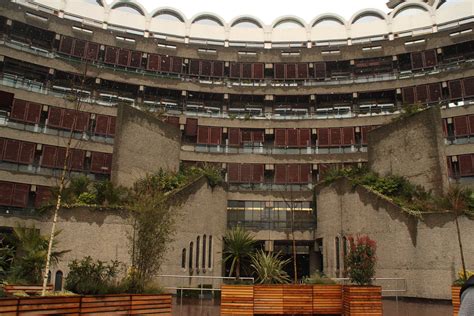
<point>150,304</point>
<point>320,299</point>
<point>327,299</point>
<point>88,305</point>
<point>62,305</point>
<point>268,299</point>
<point>297,299</point>
<point>362,300</point>
<point>28,289</point>
<point>455,290</point>
<point>237,300</point>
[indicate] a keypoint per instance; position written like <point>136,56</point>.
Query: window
<point>204,251</point>
<point>209,259</point>
<point>183,258</point>
<point>191,248</point>
<point>198,240</point>
<point>338,259</point>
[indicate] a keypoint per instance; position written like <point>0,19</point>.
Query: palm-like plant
<point>268,268</point>
<point>238,246</point>
<point>460,201</point>
<point>30,255</point>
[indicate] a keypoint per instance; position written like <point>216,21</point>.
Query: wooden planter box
<point>455,290</point>
<point>297,299</point>
<point>289,299</point>
<point>122,304</point>
<point>268,299</point>
<point>362,300</point>
<point>327,299</point>
<point>236,300</point>
<point>10,289</point>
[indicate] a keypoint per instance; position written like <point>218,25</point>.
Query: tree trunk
<point>61,185</point>
<point>460,248</point>
<point>237,269</point>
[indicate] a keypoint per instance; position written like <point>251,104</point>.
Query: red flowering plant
<point>361,259</point>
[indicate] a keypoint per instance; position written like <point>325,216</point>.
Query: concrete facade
<point>424,251</point>
<point>104,234</point>
<point>412,147</point>
<point>141,135</point>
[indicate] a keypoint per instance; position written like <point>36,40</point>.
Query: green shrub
<point>87,198</point>
<point>89,277</point>
<point>318,278</point>
<point>268,268</point>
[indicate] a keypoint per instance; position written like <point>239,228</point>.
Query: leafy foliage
<point>30,255</point>
<point>412,198</point>
<point>409,110</point>
<point>361,260</point>
<point>318,278</point>
<point>268,268</point>
<point>463,277</point>
<point>83,191</point>
<point>90,277</point>
<point>239,245</point>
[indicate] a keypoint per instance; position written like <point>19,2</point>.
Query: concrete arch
<point>288,18</point>
<point>129,3</point>
<point>367,12</point>
<point>328,16</point>
<point>169,10</point>
<point>246,18</point>
<point>208,15</point>
<point>408,5</point>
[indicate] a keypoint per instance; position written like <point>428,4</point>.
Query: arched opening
<point>190,261</point>
<point>128,8</point>
<point>207,20</point>
<point>367,18</point>
<point>246,24</point>
<point>204,252</point>
<point>58,281</point>
<point>288,24</point>
<point>209,259</point>
<point>328,22</point>
<point>410,11</point>
<point>198,240</point>
<point>183,258</point>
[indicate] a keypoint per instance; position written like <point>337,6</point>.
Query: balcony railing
<point>270,187</point>
<point>38,170</point>
<point>349,78</point>
<point>298,225</point>
<point>42,129</point>
<point>270,150</point>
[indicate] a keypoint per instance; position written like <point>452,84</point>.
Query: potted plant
<point>270,276</point>
<point>327,294</point>
<point>237,298</point>
<point>361,297</point>
<point>456,289</point>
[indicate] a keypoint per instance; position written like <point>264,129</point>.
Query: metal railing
<point>390,286</point>
<point>272,150</point>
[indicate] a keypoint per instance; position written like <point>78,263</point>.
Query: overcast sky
<point>267,10</point>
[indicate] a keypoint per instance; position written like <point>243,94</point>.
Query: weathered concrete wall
<point>103,235</point>
<point>143,144</point>
<point>412,147</point>
<point>203,213</point>
<point>99,234</point>
<point>424,252</point>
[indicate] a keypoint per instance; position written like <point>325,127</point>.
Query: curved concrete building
<point>276,106</point>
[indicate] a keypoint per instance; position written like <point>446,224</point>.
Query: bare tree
<point>457,200</point>
<point>63,177</point>
<point>291,205</point>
